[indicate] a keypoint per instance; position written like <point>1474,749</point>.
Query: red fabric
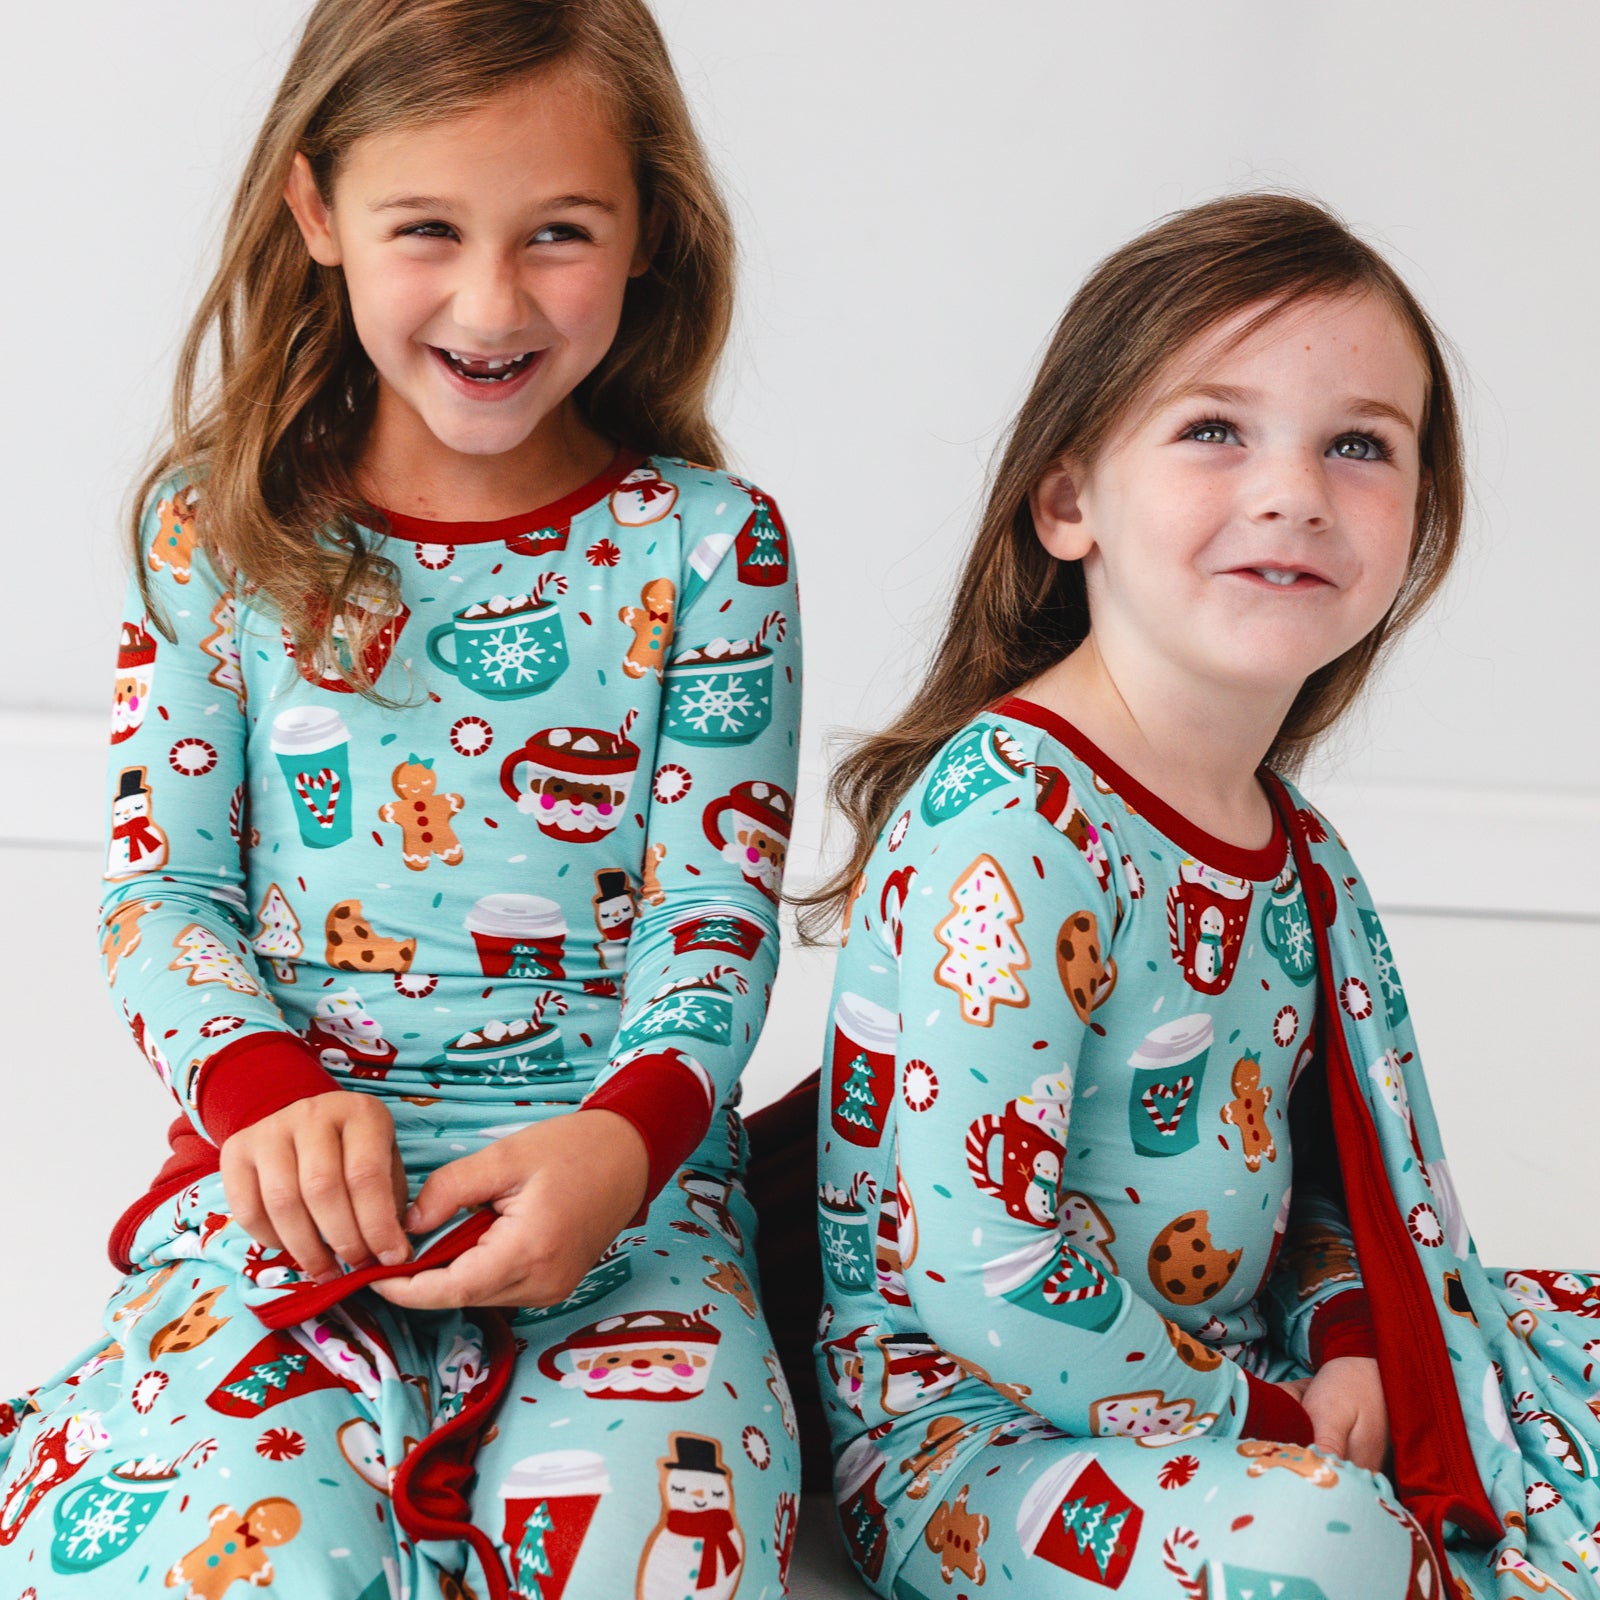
<point>714,1529</point>
<point>312,1299</point>
<point>1434,1468</point>
<point>1275,1414</point>
<point>425,530</point>
<point>1342,1326</point>
<point>666,1103</point>
<point>192,1158</point>
<point>1232,858</point>
<point>254,1077</point>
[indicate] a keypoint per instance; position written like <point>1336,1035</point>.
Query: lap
<point>664,1398</point>
<point>192,1439</point>
<point>1069,1517</point>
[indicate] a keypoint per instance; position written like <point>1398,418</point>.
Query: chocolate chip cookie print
<point>1060,1378</point>
<point>549,881</point>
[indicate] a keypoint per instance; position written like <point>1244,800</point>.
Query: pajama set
<point>1120,1125</point>
<point>548,879</point>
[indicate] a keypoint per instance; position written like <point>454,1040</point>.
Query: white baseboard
<point>1444,848</point>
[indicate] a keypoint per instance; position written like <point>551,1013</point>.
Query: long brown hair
<point>273,438</point>
<point>1017,609</point>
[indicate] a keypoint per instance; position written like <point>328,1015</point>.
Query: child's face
<point>506,232</point>
<point>1256,522</point>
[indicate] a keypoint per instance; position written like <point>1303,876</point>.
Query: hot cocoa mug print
<point>749,826</point>
<point>573,782</point>
<point>507,646</point>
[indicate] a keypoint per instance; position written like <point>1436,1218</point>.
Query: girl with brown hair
<point>1144,1267</point>
<point>452,760</point>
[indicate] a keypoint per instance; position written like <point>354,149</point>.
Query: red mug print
<point>762,816</point>
<point>1029,1179</point>
<point>577,784</point>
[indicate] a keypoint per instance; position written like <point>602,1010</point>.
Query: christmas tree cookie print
<point>278,934</point>
<point>984,952</point>
<point>204,957</point>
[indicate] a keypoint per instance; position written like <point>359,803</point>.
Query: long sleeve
<point>175,931</point>
<point>704,947</point>
<point>1012,1275</point>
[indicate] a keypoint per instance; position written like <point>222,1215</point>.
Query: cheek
<point>391,300</point>
<point>583,303</point>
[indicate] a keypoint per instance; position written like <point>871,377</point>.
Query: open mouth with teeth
<point>1283,577</point>
<point>486,369</point>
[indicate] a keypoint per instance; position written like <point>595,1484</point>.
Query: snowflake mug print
<point>846,1233</point>
<point>719,692</point>
<point>504,647</point>
<point>98,1520</point>
<point>312,745</point>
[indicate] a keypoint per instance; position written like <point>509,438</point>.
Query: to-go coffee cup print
<point>312,745</point>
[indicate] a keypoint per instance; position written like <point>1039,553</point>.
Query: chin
<point>488,436</point>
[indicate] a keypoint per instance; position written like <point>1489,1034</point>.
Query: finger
<point>369,1163</point>
<point>278,1173</point>
<point>482,1276</point>
<point>1369,1442</point>
<point>243,1192</point>
<point>471,1181</point>
<point>320,1153</point>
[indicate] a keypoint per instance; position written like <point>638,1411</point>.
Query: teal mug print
<point>719,693</point>
<point>504,649</point>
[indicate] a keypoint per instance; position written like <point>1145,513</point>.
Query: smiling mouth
<point>1283,577</point>
<point>486,369</point>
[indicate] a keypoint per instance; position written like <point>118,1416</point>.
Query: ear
<point>311,214</point>
<point>651,227</point>
<point>1058,518</point>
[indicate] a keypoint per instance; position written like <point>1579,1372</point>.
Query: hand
<point>564,1189</point>
<point>1295,1387</point>
<point>1347,1409</point>
<point>322,1179</point>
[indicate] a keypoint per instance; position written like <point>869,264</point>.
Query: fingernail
<point>412,1220</point>
<point>326,1277</point>
<point>393,1258</point>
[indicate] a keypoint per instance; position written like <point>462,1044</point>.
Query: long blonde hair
<point>1017,609</point>
<point>272,439</point>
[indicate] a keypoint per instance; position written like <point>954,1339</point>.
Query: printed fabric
<point>1074,1228</point>
<point>544,875</point>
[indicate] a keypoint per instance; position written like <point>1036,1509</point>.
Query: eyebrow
<point>434,202</point>
<point>1227,395</point>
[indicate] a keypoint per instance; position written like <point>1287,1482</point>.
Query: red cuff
<point>255,1076</point>
<point>1275,1414</point>
<point>668,1101</point>
<point>1342,1326</point>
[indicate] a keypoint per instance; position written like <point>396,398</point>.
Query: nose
<point>489,304</point>
<point>1290,489</point>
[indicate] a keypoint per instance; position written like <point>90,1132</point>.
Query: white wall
<point>919,186</point>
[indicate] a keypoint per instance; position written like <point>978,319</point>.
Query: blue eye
<point>1359,447</point>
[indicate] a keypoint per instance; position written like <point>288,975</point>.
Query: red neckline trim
<point>424,530</point>
<point>1238,862</point>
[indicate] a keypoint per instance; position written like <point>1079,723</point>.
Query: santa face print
<point>1256,520</point>
<point>484,307</point>
<point>760,857</point>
